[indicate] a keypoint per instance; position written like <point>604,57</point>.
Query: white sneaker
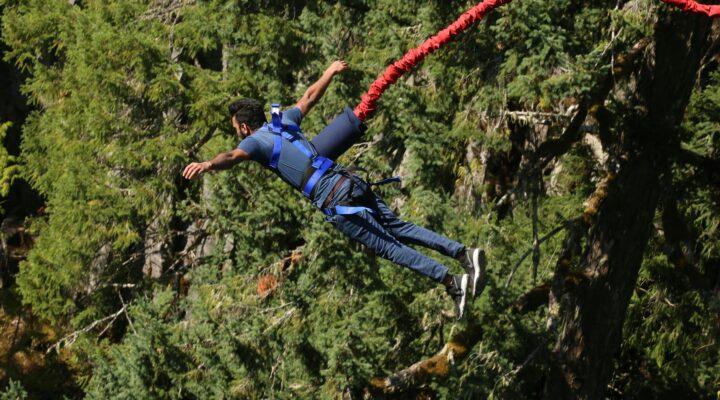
<point>458,292</point>
<point>474,262</point>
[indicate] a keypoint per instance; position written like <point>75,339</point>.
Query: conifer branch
<point>622,67</point>
<point>709,167</point>
<point>680,243</point>
<point>438,366</point>
<point>590,104</point>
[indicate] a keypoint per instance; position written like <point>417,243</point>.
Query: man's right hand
<point>194,170</point>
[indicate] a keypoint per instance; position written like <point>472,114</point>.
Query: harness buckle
<point>276,118</point>
<point>275,108</point>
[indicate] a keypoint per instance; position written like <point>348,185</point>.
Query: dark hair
<point>248,111</point>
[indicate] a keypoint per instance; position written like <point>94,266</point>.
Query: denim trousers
<point>389,236</point>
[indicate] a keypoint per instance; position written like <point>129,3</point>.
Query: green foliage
<point>9,167</point>
<point>126,90</point>
<point>13,391</point>
<point>703,137</point>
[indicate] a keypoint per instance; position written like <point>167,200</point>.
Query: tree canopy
<point>577,142</point>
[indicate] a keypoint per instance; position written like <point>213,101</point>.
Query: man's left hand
<point>338,67</point>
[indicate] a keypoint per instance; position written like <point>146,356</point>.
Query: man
<point>347,201</point>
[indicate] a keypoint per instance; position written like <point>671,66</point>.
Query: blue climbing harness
<point>319,164</point>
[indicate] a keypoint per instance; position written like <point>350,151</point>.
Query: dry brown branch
<point>269,282</point>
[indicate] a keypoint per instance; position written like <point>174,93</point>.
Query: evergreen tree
<point>577,142</point>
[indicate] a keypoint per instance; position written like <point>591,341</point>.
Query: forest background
<point>578,142</point>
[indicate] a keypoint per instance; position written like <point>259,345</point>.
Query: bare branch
<point>536,240</point>
<point>200,143</point>
<point>124,308</point>
<point>508,377</point>
<point>289,313</point>
<point>363,148</point>
<point>71,338</point>
<point>530,251</point>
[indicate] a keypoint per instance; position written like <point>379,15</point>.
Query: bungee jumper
<point>347,200</point>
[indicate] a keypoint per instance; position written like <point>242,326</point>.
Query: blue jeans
<point>387,235</point>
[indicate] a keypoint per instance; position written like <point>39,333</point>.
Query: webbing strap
<point>294,135</point>
<point>277,147</point>
<point>297,142</point>
<point>276,118</point>
<point>345,210</point>
<point>387,181</point>
<point>321,165</point>
<point>282,127</point>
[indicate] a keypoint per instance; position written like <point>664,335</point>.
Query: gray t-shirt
<point>292,163</point>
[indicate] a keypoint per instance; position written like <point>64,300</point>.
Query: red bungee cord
<point>413,57</point>
<point>711,11</point>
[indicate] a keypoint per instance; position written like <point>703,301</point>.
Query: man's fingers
<point>339,65</point>
<point>191,171</point>
<point>187,171</point>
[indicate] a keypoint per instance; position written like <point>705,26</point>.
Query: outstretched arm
<point>221,161</point>
<point>315,92</point>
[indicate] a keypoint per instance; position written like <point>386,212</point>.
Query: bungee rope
<point>691,6</point>
<point>415,56</point>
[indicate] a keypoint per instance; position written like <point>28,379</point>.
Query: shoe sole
<point>478,259</point>
<point>463,287</point>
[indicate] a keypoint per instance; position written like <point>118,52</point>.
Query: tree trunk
<point>589,317</point>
